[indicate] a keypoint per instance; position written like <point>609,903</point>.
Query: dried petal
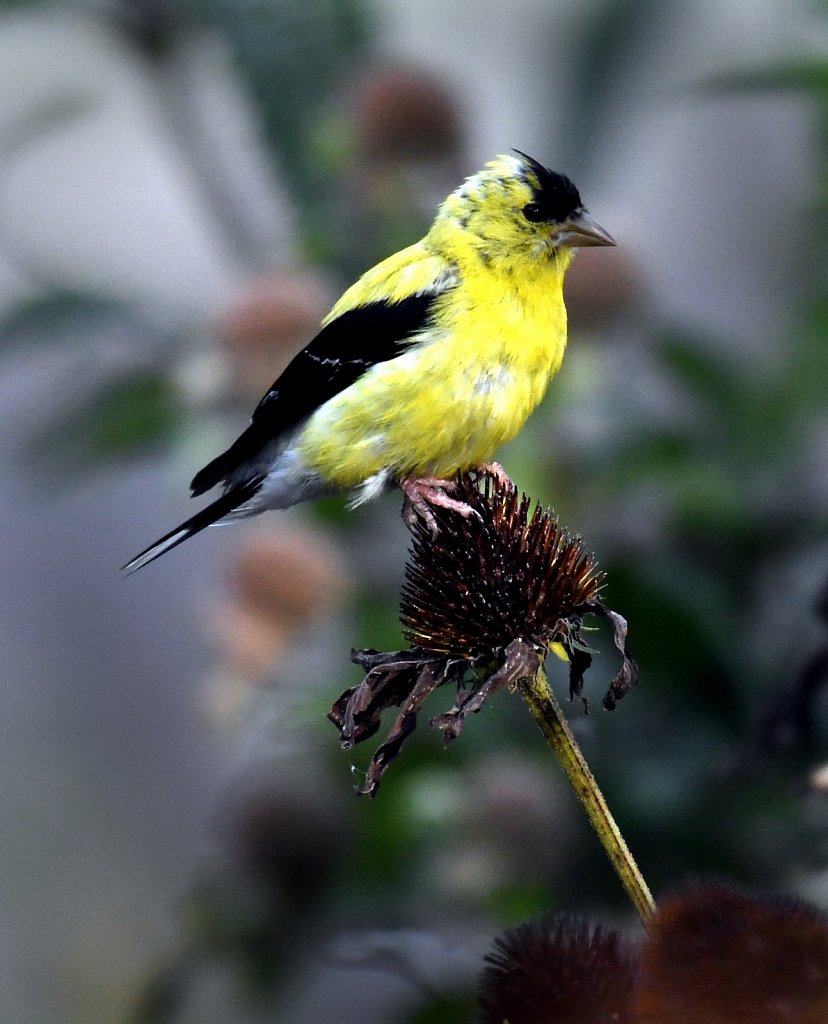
<point>521,661</point>
<point>390,679</point>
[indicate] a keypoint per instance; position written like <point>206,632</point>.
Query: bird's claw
<point>497,471</point>
<point>422,492</point>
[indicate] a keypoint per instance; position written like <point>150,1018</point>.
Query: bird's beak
<point>581,230</point>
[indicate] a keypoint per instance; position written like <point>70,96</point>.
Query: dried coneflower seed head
<point>557,971</point>
<point>502,574</point>
<point>485,598</point>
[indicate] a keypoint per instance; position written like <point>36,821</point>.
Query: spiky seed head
<point>482,604</point>
<point>558,970</point>
<point>502,574</point>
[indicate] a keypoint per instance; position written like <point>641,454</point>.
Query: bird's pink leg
<point>420,492</point>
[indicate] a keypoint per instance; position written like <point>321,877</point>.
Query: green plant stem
<point>547,712</point>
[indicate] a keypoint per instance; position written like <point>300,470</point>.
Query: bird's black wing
<point>342,351</point>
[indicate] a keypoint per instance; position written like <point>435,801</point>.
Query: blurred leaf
<point>164,990</point>
<point>331,511</point>
<point>808,73</point>
<point>53,114</point>
<point>48,319</point>
<point>122,417</point>
<point>151,25</point>
<point>599,58</point>
<point>377,621</point>
<point>513,902</point>
<point>683,625</point>
<point>751,420</point>
<point>293,55</point>
<point>655,456</point>
<point>712,379</point>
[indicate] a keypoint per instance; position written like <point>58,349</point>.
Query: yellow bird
<point>429,362</point>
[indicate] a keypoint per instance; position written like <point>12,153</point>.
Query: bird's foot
<point>498,472</point>
<point>422,492</point>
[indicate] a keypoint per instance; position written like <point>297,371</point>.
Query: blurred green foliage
<point>117,419</point>
<point>293,57</point>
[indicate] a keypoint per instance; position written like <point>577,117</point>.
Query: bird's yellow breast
<point>466,386</point>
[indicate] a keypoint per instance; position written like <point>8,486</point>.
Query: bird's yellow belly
<point>439,408</point>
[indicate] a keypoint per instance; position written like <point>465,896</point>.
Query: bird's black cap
<point>554,193</point>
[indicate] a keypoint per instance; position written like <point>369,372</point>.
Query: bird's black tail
<point>220,508</point>
<point>224,466</point>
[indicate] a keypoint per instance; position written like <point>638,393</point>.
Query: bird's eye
<point>533,212</point>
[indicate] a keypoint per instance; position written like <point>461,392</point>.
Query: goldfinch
<point>429,362</point>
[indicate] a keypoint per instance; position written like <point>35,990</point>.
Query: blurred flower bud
<point>715,955</point>
<point>279,584</point>
<point>406,114</point>
<point>399,147</point>
<point>268,324</point>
